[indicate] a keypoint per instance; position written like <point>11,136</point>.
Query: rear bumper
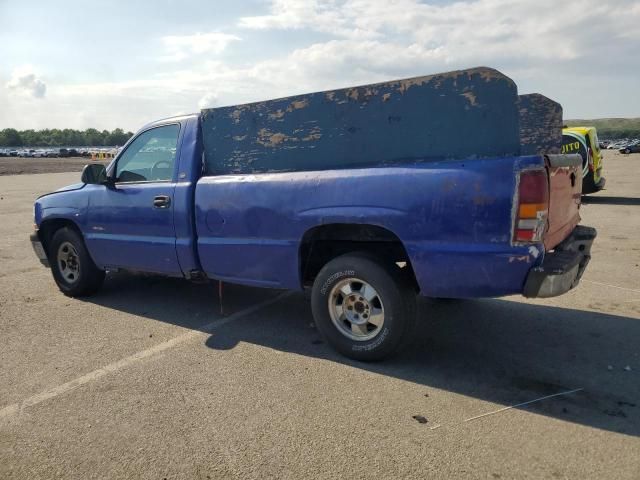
<point>561,269</point>
<point>39,249</point>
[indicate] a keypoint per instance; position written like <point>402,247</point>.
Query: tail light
<point>533,206</point>
<point>590,159</point>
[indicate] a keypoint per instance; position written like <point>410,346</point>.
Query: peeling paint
<point>298,104</point>
<point>314,134</point>
<point>404,85</point>
<point>276,115</point>
<point>471,97</point>
<point>353,94</point>
<point>361,126</point>
<point>269,139</point>
<point>541,123</point>
<point>534,251</point>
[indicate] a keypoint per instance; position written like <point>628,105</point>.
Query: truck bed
<point>453,217</point>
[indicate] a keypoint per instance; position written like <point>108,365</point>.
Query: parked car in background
<point>584,140</point>
<point>633,147</point>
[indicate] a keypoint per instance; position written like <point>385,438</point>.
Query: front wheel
<point>364,309</point>
<point>72,267</point>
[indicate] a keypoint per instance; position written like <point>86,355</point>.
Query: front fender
<point>72,214</point>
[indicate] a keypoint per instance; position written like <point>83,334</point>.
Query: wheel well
<point>322,244</point>
<point>49,227</point>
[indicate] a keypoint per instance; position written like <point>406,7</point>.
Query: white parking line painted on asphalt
<point>611,286</point>
<point>15,408</point>
<point>510,407</point>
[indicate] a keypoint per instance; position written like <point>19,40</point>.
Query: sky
<point>107,64</point>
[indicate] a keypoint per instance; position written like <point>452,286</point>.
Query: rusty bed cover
<point>464,114</point>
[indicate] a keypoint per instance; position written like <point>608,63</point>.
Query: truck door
<point>130,223</point>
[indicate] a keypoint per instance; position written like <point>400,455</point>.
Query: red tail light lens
<point>533,206</point>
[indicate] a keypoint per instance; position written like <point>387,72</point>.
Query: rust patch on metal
<point>404,85</point>
<point>267,138</point>
<point>471,97</point>
<point>540,124</point>
<point>353,94</point>
<point>276,115</point>
<point>297,104</point>
<point>270,139</point>
<point>236,114</point>
<point>313,135</point>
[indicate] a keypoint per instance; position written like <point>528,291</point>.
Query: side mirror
<point>94,173</point>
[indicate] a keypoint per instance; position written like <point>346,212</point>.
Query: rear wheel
<point>72,267</point>
<point>589,183</point>
<point>365,310</point>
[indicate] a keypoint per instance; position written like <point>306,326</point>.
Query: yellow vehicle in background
<point>584,140</point>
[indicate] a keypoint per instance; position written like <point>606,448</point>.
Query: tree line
<point>611,128</point>
<point>10,137</point>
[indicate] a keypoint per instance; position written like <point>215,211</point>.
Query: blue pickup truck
<point>450,185</point>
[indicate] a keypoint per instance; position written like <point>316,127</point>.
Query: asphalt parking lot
<point>149,380</point>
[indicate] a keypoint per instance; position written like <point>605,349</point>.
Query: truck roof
<point>163,121</point>
<point>580,130</point>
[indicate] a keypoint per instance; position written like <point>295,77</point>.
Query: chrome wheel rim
<point>356,309</point>
<point>68,262</point>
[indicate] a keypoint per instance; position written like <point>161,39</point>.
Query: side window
<point>150,157</point>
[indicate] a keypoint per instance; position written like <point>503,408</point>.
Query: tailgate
<point>565,190</point>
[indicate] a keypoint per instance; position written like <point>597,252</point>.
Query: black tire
<point>87,277</point>
<point>588,184</point>
<point>394,293</point>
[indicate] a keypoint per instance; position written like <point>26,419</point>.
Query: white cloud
<point>487,29</point>
<point>328,16</point>
<point>578,57</point>
<point>25,82</point>
<point>179,47</point>
<point>209,100</point>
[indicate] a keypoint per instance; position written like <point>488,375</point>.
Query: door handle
<point>162,201</point>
